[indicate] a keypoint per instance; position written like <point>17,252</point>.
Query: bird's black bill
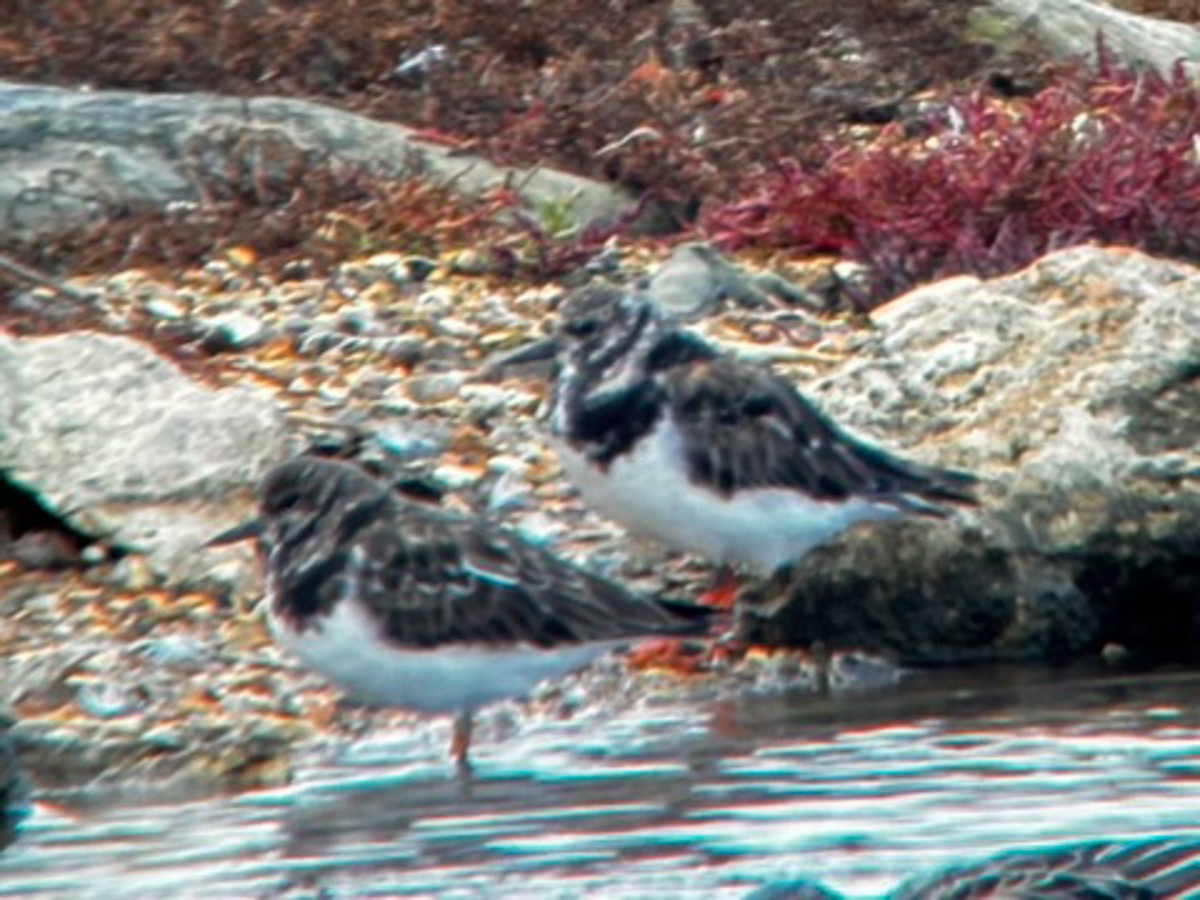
<point>537,351</point>
<point>242,532</point>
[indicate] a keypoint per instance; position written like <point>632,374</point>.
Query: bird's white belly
<point>648,491</point>
<point>346,648</point>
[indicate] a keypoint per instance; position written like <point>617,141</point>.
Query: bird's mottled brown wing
<point>743,427</point>
<point>436,578</point>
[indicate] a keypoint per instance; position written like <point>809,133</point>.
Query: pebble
<point>457,328</point>
<point>391,266</point>
<point>471,262</point>
<point>485,400</point>
<point>509,492</point>
<point>318,343</point>
<point>296,270</point>
<point>166,309</point>
<point>455,478</point>
<point>404,350</point>
<point>405,441</point>
<point>93,554</point>
<point>234,331</point>
<point>358,320</point>
<point>133,573</point>
<point>226,277</point>
<point>43,550</point>
<point>541,530</point>
<point>105,699</point>
<point>434,388</point>
<point>420,267</point>
<point>174,649</point>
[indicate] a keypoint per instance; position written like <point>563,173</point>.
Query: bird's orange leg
<point>460,743</point>
<point>724,591</point>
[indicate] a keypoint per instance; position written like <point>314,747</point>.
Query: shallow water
<point>685,799</point>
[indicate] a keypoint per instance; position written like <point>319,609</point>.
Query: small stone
<point>225,275</point>
<point>174,649</point>
<point>420,268</point>
<point>93,554</point>
<point>434,388</point>
<point>296,270</point>
<point>509,492</point>
<point>165,309</point>
<point>541,530</point>
<point>1114,654</point>
<point>406,351</point>
<point>133,573</point>
<point>44,550</point>
<point>234,331</point>
<point>318,343</point>
<point>357,320</point>
<point>410,440</point>
<point>105,699</point>
<point>455,478</point>
<point>485,400</point>
<point>456,328</point>
<point>471,262</point>
<point>165,737</point>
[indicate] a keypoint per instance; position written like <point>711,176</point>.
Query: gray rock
<point>696,277</point>
<point>147,150</point>
<point>125,447</point>
<point>410,440</point>
<point>1073,389</point>
<point>1069,28</point>
<point>234,331</point>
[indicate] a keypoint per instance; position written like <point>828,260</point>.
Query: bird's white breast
<point>346,646</point>
<point>648,490</point>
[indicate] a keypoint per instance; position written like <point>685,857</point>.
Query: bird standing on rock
<point>707,453</point>
<point>403,604</point>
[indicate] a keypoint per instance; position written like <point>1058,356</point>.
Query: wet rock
<point>1073,389</point>
<point>123,446</point>
<point>234,331</point>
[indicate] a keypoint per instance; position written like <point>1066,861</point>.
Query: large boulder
<point>1069,29</point>
<point>126,448</point>
<point>152,150</point>
<point>1073,389</point>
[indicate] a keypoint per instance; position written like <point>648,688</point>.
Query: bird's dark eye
<point>582,328</point>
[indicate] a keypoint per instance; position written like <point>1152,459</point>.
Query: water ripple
<point>702,800</point>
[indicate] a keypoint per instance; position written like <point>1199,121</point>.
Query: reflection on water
<point>705,800</point>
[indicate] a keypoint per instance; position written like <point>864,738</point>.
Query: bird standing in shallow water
<point>710,454</point>
<point>402,604</point>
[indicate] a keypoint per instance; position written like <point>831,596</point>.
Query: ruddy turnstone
<point>711,454</point>
<point>1137,870</point>
<point>403,604</point>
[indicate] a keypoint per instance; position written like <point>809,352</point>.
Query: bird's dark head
<point>309,487</point>
<point>294,494</point>
<point>600,323</point>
